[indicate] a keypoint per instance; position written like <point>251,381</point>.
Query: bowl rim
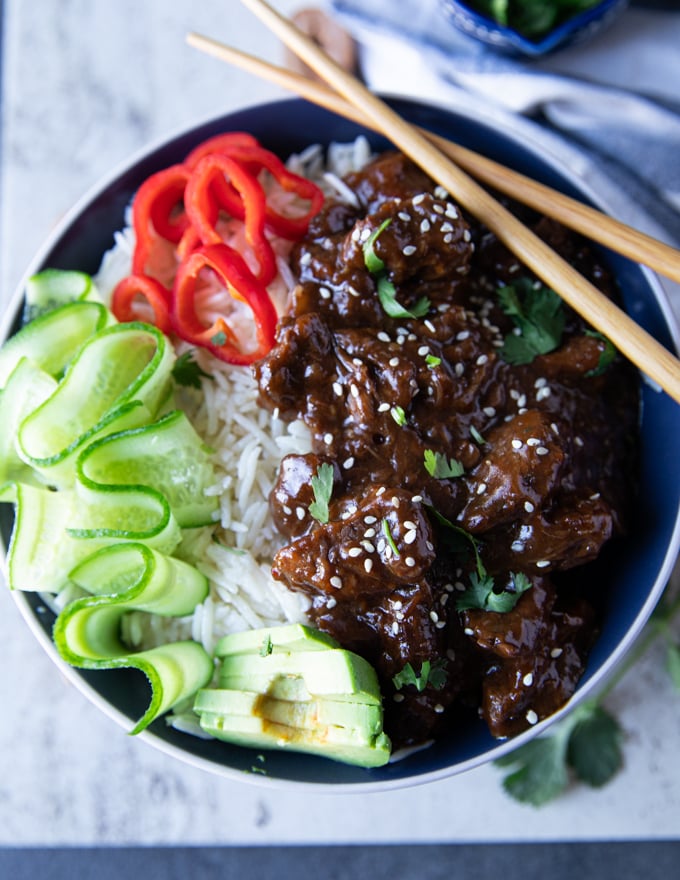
<point>590,188</point>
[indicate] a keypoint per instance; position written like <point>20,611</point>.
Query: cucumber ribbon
<point>104,481</point>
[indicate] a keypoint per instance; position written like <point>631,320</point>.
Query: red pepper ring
<point>198,203</point>
<point>221,339</point>
<point>287,227</point>
<point>126,305</point>
<point>220,143</point>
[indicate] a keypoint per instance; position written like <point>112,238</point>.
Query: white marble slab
<point>86,85</point>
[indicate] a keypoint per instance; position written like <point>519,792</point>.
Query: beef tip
<point>539,652</point>
<point>390,176</point>
<point>422,237</point>
<point>518,474</point>
<point>293,493</point>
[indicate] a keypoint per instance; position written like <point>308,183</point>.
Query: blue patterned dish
<point>577,29</point>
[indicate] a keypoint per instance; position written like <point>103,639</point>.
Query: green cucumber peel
<point>133,577</point>
<point>120,366</point>
<point>52,340</point>
<point>52,288</point>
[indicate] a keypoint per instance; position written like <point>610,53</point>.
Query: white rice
<point>248,443</point>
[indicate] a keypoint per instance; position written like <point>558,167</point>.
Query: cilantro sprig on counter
<point>539,317</point>
<point>586,746</point>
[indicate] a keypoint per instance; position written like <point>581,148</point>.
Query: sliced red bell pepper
<point>220,143</point>
<point>126,306</point>
<point>199,203</point>
<point>221,338</point>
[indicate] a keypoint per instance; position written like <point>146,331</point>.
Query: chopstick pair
<point>429,152</point>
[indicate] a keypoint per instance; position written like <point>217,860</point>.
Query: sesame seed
<point>368,547</point>
<point>353,390</point>
<point>287,510</point>
<point>430,326</point>
<point>440,192</point>
<point>446,227</point>
<point>531,717</point>
<point>368,565</point>
<point>481,489</point>
<point>380,491</point>
<point>383,337</point>
<point>384,407</point>
<point>528,679</point>
<point>395,627</point>
<point>448,238</point>
<point>555,653</point>
<point>425,225</point>
<point>336,582</point>
<point>365,234</point>
<point>468,631</point>
<point>533,441</point>
<point>595,497</point>
<point>440,624</point>
<point>306,258</point>
<point>337,389</point>
<point>410,561</point>
<point>543,563</point>
<point>438,209</point>
<point>402,215</point>
<point>348,463</point>
<point>463,335</point>
<point>466,235</point>
<point>434,617</point>
<point>398,698</point>
<point>439,708</point>
<point>369,533</point>
<point>522,401</point>
<point>354,552</point>
<point>424,350</point>
<point>482,359</point>
<point>489,411</point>
<point>408,250</point>
<point>395,501</point>
<point>542,450</point>
<point>543,393</point>
<point>529,507</point>
<point>328,439</point>
<point>539,383</point>
<point>300,513</point>
<point>370,519</point>
<point>325,293</point>
<point>451,212</point>
<point>417,498</point>
<point>410,537</point>
<point>443,599</point>
<point>331,603</point>
<point>408,524</point>
<point>517,444</point>
<point>397,604</point>
<point>517,546</point>
<point>419,198</point>
<point>578,441</point>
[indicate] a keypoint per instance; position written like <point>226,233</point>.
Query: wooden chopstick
<point>634,342</point>
<point>587,221</point>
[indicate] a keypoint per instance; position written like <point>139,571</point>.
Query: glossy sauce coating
<point>545,452</point>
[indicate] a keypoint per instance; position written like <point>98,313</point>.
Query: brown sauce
<point>546,449</point>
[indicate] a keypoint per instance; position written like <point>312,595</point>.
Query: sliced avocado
<point>307,715</point>
<point>274,639</point>
<point>327,741</point>
<point>336,674</point>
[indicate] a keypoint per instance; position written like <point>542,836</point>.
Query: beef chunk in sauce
<point>445,457</point>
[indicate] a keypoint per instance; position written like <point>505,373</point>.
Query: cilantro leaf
<point>585,745</point>
<point>372,261</point>
<point>594,750</point>
<point>439,467</point>
<point>673,664</point>
<point>432,361</point>
<point>476,436</point>
<point>387,295</point>
<point>541,772</point>
<point>267,647</point>
<point>398,414</point>
<point>219,338</point>
<point>322,486</point>
<point>187,372</point>
<point>539,318</point>
<point>430,673</point>
<point>607,355</point>
<point>481,594</point>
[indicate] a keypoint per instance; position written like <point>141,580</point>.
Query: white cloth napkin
<point>612,103</point>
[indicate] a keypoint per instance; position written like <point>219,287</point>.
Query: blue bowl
<point>578,29</point>
<point>630,576</point>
